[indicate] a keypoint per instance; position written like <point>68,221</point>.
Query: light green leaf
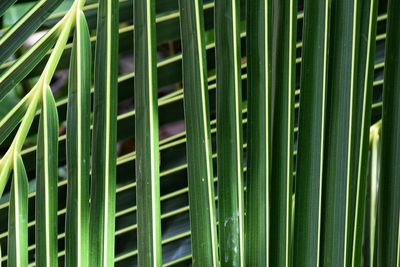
<point>102,207</point>
<point>4,5</point>
<point>200,169</point>
<point>146,136</point>
<point>18,216</point>
<point>78,147</point>
<point>14,117</point>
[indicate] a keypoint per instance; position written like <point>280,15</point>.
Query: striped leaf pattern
<point>18,216</point>
<point>78,146</point>
<point>146,136</point>
<point>259,60</point>
<point>229,132</point>
<point>310,156</point>
<point>27,25</point>
<point>102,206</point>
<point>283,73</point>
<point>389,202</point>
<point>46,183</point>
<point>198,148</point>
<point>277,96</point>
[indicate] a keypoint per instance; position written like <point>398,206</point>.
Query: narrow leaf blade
<point>146,136</point>
<point>18,216</point>
<point>78,147</point>
<point>199,153</point>
<point>229,132</point>
<point>259,60</point>
<point>102,208</point>
<point>46,183</point>
<point>389,186</point>
<point>307,224</point>
<point>283,72</point>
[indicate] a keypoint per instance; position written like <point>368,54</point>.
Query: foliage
<point>175,132</point>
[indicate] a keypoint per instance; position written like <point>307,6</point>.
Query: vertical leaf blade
<point>362,105</point>
<point>339,180</point>
<point>389,186</point>
<point>311,133</point>
<point>46,180</point>
<point>259,60</point>
<point>229,132</point>
<point>18,216</point>
<point>146,136</point>
<point>78,146</point>
<point>284,71</point>
<point>102,208</point>
<point>199,153</point>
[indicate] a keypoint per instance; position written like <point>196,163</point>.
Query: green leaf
<point>46,183</point>
<point>18,71</point>
<point>229,132</point>
<point>18,216</point>
<point>78,146</point>
<point>14,117</point>
<point>314,67</point>
<point>259,60</point>
<point>146,136</point>
<point>199,153</point>
<point>25,26</point>
<point>284,77</point>
<point>4,5</point>
<point>389,184</point>
<point>343,128</point>
<point>362,105</point>
<point>102,208</point>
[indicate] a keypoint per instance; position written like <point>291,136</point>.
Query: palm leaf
<point>102,208</point>
<point>25,26</point>
<point>4,5</point>
<point>259,27</point>
<point>361,140</point>
<point>146,136</point>
<point>200,171</point>
<point>229,132</point>
<point>283,123</point>
<point>389,203</point>
<point>18,216</point>
<point>47,177</point>
<point>314,66</point>
<point>78,146</point>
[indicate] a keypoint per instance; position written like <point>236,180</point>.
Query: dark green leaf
<point>200,169</point>
<point>229,132</point>
<point>311,133</point>
<point>389,185</point>
<point>46,183</point>
<point>146,136</point>
<point>284,77</point>
<point>78,146</point>
<point>102,208</point>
